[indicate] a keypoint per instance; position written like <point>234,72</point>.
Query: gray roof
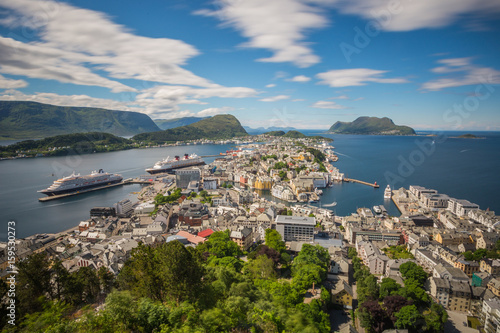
<point>441,283</point>
<point>305,220</point>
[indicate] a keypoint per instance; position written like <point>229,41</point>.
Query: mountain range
<point>28,120</point>
<point>222,126</point>
<point>165,124</point>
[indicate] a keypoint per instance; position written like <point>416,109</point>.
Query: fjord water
<point>462,168</point>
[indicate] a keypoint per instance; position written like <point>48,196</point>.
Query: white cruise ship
<point>75,183</point>
<point>168,164</point>
<point>388,192</point>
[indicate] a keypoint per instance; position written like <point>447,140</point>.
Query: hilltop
<point>165,124</point>
<point>29,120</point>
<point>67,144</point>
<point>370,125</point>
<point>223,126</point>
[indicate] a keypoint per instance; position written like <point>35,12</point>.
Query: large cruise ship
<point>75,183</point>
<point>388,192</point>
<point>168,164</point>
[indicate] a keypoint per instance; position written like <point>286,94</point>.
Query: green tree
<point>388,287</point>
<point>261,268</point>
<point>410,270</point>
<point>369,290</point>
<point>34,281</point>
<point>273,240</point>
<point>351,253</point>
<point>220,245</point>
<point>436,319</point>
<point>408,317</point>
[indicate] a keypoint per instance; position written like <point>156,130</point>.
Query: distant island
<point>370,126</point>
<point>223,126</point>
<point>467,136</point>
<point>293,134</point>
<point>165,124</point>
<point>28,120</point>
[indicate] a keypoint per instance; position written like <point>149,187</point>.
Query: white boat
<point>171,164</point>
<point>333,204</point>
<point>377,210</point>
<point>75,183</point>
<point>388,192</point>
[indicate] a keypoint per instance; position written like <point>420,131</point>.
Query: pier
<point>374,185</point>
<point>65,195</point>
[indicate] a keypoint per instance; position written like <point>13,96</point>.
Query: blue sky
<point>432,65</point>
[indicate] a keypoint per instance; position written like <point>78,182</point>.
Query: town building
<point>295,228</point>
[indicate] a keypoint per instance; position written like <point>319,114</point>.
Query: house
<point>491,266</point>
<point>193,212</point>
<point>460,296</point>
<point>242,237</point>
<point>480,279</point>
<point>449,273</point>
<point>205,233</point>
<point>468,267</point>
<point>342,294</point>
<point>439,288</point>
<point>377,264</point>
<point>494,286</point>
<point>193,239</point>
<point>490,315</point>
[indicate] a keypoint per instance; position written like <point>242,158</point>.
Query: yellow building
<point>263,183</point>
<point>468,267</point>
<point>453,238</point>
<point>490,266</point>
<point>342,295</point>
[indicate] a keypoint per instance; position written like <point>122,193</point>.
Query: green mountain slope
<point>223,126</point>
<point>78,143</point>
<point>20,120</point>
<point>275,133</point>
<point>371,125</point>
<point>165,124</point>
<point>294,135</point>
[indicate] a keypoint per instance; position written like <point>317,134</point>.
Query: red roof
<point>205,233</point>
<point>190,237</point>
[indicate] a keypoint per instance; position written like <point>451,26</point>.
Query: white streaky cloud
<point>83,36</point>
<point>274,98</point>
<point>460,72</point>
<point>214,111</point>
<point>279,26</point>
<point>328,105</point>
<point>45,62</point>
<point>68,100</point>
<point>6,83</point>
<point>412,15</point>
<point>300,78</point>
<point>298,100</point>
<point>340,97</point>
<point>355,77</point>
<point>271,85</point>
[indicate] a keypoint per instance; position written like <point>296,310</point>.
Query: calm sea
<point>462,168</point>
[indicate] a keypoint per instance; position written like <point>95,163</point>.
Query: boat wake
<point>330,205</point>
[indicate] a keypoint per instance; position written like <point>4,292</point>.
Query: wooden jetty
<point>374,185</point>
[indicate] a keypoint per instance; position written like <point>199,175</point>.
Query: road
<point>455,323</point>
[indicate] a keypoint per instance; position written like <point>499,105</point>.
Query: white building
<point>461,207</point>
<point>295,228</point>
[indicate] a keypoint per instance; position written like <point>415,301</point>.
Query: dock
<point>65,195</point>
<point>374,185</point>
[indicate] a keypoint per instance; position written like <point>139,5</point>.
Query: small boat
<point>388,192</point>
<point>333,204</point>
<point>377,210</point>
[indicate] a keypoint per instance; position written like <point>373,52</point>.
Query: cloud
<point>274,98</point>
<point>214,111</point>
<point>279,26</point>
<point>355,77</point>
<point>340,97</point>
<point>300,78</point>
<point>68,100</point>
<point>6,83</point>
<point>412,15</point>
<point>298,100</point>
<point>271,85</point>
<point>76,36</point>
<point>460,72</point>
<point>328,105</point>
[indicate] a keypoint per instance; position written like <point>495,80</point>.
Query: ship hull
<point>153,171</point>
<point>81,188</point>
